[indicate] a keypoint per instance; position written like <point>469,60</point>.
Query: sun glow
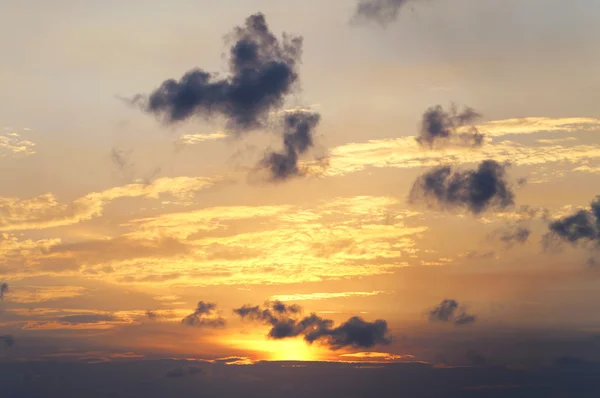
<point>277,350</point>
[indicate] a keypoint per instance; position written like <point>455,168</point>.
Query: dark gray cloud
<point>92,318</point>
<point>205,314</point>
<point>476,190</point>
<point>298,130</point>
<point>584,225</point>
<point>383,12</point>
<point>285,322</point>
<point>262,73</point>
<point>178,372</point>
<point>441,128</point>
<point>8,340</point>
<point>450,311</point>
<point>3,290</point>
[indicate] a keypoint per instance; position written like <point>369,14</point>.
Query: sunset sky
<point>426,166</point>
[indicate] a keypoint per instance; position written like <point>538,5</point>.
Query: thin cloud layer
<point>205,315</point>
<point>440,128</point>
<point>450,311</point>
<point>285,322</point>
<point>473,190</point>
<point>298,131</point>
<point>262,72</point>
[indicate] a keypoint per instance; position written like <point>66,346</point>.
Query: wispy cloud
<point>323,296</point>
<point>11,141</point>
<point>193,139</point>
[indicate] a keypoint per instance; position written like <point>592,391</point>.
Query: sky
<point>392,181</point>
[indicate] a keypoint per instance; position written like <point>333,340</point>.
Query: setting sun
<point>276,350</point>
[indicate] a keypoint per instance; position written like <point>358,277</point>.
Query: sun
<point>293,349</point>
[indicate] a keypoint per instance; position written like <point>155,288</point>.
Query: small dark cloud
<point>205,314</point>
<point>194,370</point>
<point>262,72</point>
<point>152,315</point>
<point>286,322</point>
<point>92,318</point>
<point>383,12</point>
<point>476,190</point>
<point>298,131</point>
<point>3,290</point>
<point>440,128</point>
<point>450,311</point>
<point>8,340</point>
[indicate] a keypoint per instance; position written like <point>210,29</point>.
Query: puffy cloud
<point>298,131</point>
<point>262,72</point>
<point>475,190</point>
<point>581,226</point>
<point>450,311</point>
<point>205,314</point>
<point>440,128</point>
<point>285,322</point>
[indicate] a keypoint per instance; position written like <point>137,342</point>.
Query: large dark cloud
<point>440,128</point>
<point>476,190</point>
<point>450,311</point>
<point>262,72</point>
<point>381,11</point>
<point>298,131</point>
<point>205,314</point>
<point>285,321</point>
<point>3,290</point>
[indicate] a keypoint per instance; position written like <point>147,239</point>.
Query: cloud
<point>476,190</point>
<point>91,318</point>
<point>450,311</point>
<point>386,356</point>
<point>323,296</point>
<point>45,211</point>
<point>122,161</point>
<point>3,290</point>
<point>205,314</point>
<point>298,133</point>
<point>11,141</point>
<point>285,322</point>
<point>511,235</point>
<point>152,315</point>
<point>440,128</point>
<point>193,139</point>
<point>40,294</point>
<point>383,12</point>
<point>262,72</point>
<point>8,340</point>
<point>175,373</point>
<point>581,226</point>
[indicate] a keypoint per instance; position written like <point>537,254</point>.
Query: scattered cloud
<point>41,294</point>
<point>205,314</point>
<point>297,139</point>
<point>285,322</point>
<point>476,190</point>
<point>450,311</point>
<point>262,73</point>
<point>440,128</point>
<point>11,141</point>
